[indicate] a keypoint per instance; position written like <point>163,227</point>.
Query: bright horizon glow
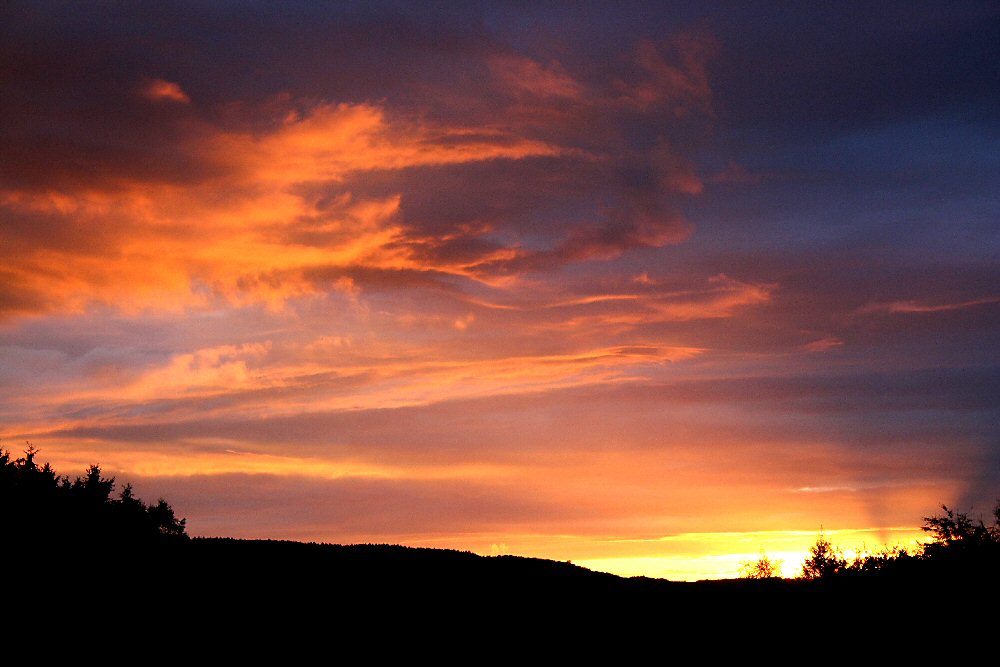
<point>679,557</point>
<point>721,555</point>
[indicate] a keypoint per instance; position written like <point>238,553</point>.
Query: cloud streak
<point>913,306</point>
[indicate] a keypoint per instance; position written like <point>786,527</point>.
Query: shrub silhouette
<point>885,559</point>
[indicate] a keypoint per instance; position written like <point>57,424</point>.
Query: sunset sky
<point>651,287</point>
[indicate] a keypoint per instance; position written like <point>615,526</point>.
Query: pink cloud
<point>159,90</point>
<point>913,306</point>
<point>823,344</point>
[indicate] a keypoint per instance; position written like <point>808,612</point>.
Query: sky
<point>651,287</point>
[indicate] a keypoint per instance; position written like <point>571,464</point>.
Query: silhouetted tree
<point>824,560</point>
<point>957,528</point>
<point>40,508</point>
<point>762,568</point>
<point>956,537</point>
<point>162,516</point>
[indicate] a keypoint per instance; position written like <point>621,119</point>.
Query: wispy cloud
<point>914,306</point>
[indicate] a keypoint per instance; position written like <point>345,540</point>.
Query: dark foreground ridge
<point>61,537</point>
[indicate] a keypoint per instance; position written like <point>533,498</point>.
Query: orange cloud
<point>721,298</point>
<point>159,90</point>
<point>245,234</point>
<point>219,369</point>
<point>260,203</point>
<point>330,141</point>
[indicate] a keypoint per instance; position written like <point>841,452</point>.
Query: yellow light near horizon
<point>234,461</point>
<point>721,555</point>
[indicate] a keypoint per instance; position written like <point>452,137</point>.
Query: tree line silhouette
<point>77,557</point>
<point>43,509</point>
<point>958,543</point>
<point>45,513</point>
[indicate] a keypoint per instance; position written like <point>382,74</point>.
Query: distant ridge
<point>72,552</point>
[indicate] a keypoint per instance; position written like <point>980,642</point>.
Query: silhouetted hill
<point>391,598</point>
<point>73,553</point>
